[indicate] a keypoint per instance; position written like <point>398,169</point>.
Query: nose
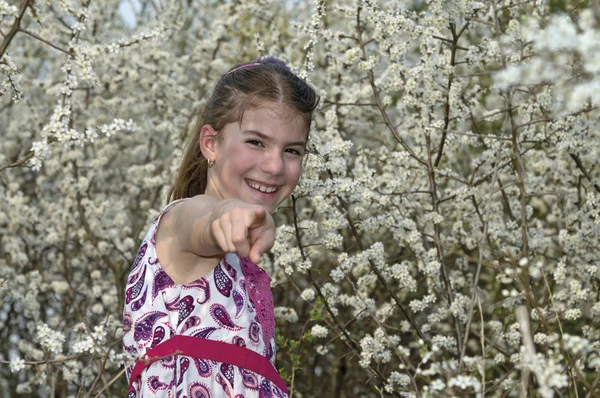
<point>273,163</point>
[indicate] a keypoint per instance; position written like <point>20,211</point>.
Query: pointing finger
<point>257,218</point>
<point>239,238</point>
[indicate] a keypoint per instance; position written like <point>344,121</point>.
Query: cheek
<point>241,160</point>
<point>295,170</point>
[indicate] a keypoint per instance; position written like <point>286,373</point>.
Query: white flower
<point>540,338</point>
<point>49,339</point>
<point>319,331</point>
<point>308,294</point>
<point>286,314</point>
<point>17,364</point>
<point>572,314</point>
<point>396,380</point>
<point>322,350</point>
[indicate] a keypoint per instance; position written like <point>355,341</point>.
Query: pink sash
<point>212,350</point>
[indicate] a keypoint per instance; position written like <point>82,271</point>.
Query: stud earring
<point>211,163</point>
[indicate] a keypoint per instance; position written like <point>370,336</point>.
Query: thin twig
<point>474,294</point>
<point>579,164</point>
<point>43,40</point>
<point>455,37</point>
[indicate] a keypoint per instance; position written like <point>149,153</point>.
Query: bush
<point>442,242</point>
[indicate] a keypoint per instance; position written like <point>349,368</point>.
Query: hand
<point>239,227</point>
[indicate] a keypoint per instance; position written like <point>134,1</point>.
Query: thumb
<point>264,242</point>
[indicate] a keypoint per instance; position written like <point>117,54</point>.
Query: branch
<point>438,241</point>
<point>585,173</point>
<point>371,78</point>
<point>455,38</point>
<point>14,29</point>
<point>521,176</point>
<point>349,341</point>
<point>43,40</point>
<point>474,294</point>
<point>373,268</point>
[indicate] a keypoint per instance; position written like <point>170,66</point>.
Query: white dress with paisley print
<point>232,304</point>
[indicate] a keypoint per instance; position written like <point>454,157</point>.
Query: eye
<point>294,151</point>
<point>254,142</point>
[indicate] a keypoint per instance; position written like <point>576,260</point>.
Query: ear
<point>208,142</point>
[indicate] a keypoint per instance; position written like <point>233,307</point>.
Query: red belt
<point>212,350</point>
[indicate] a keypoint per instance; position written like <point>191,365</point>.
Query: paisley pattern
<point>221,380</point>
<point>237,340</point>
<point>154,384</point>
<point>134,291</point>
<point>203,367</point>
<point>135,275</point>
<point>136,305</point>
<point>202,285</point>
<point>159,335</point>
<point>185,364</point>
<point>186,307</point>
<point>260,296</point>
<point>253,332</point>
<point>238,300</point>
<point>226,305</point>
<point>143,327</point>
<point>161,282</point>
<point>199,390</point>
<point>191,322</point>
<point>250,379</point>
<point>222,317</point>
<point>126,323</point>
<point>140,255</point>
<point>265,389</point>
<point>204,333</point>
<point>222,282</point>
<point>227,371</point>
<point>230,270</point>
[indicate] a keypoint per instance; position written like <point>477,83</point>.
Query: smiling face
<point>259,161</point>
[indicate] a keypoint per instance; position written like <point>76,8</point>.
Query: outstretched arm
<point>207,226</point>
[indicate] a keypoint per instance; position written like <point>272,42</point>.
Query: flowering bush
<point>442,242</point>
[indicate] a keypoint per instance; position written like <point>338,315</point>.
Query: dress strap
<point>212,350</point>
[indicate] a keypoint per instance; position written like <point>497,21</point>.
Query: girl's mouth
<point>263,188</point>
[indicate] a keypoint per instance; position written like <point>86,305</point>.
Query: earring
<point>211,163</point>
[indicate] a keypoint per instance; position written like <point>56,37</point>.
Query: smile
<point>262,187</point>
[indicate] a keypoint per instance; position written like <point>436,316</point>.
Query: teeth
<point>261,188</point>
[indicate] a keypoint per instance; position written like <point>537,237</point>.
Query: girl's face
<point>259,161</point>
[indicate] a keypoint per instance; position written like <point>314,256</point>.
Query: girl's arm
<point>207,227</point>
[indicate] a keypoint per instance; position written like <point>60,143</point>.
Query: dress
<point>232,303</point>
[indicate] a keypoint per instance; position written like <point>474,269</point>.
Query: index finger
<point>257,218</point>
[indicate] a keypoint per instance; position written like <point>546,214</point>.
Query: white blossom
<point>319,331</point>
<point>17,364</point>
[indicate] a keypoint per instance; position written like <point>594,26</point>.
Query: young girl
<point>197,307</point>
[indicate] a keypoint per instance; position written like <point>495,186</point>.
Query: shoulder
<point>181,227</point>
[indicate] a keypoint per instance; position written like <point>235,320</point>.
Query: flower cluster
<point>451,177</point>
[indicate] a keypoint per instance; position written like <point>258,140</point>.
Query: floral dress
<point>232,304</point>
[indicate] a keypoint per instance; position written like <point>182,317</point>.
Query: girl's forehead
<point>273,116</point>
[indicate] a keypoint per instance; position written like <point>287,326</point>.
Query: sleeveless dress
<point>232,303</point>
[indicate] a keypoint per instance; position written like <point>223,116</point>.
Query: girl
<point>197,307</point>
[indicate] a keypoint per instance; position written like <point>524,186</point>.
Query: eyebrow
<point>267,138</point>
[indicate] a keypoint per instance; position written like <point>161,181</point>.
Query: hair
<point>244,86</point>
